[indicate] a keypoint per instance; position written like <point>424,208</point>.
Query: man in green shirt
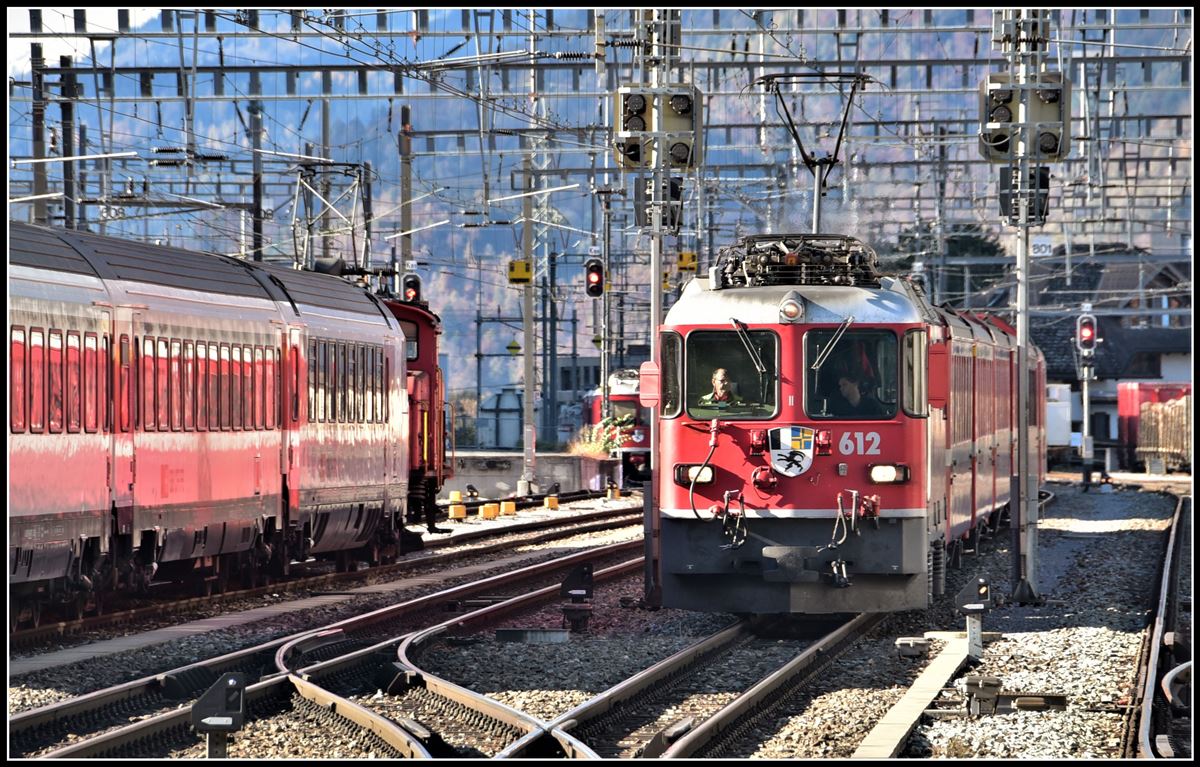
<point>721,394</point>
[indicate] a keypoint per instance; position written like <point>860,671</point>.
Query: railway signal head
<point>678,113</point>
<point>1050,113</point>
<point>593,277</point>
<point>997,112</point>
<point>410,288</point>
<point>632,114</point>
<point>1085,333</point>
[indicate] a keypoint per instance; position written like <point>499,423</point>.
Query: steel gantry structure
<point>271,133</point>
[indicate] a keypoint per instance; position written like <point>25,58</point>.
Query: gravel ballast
<point>1098,557</point>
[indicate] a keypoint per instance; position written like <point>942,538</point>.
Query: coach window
<point>106,385</point>
<point>201,386</point>
<point>336,366</point>
<point>672,357</point>
<point>248,391</point>
<point>259,388</point>
<point>269,388</point>
<point>124,389</point>
<point>54,376</point>
<point>351,379</point>
<point>915,374</point>
<point>223,379</point>
<point>746,392</point>
<point>312,381</point>
<point>342,410</point>
<point>323,389</point>
<point>330,381</point>
<point>857,376</point>
<point>214,387</point>
<point>362,384</point>
<point>37,380</point>
<point>294,365</point>
<point>93,375</point>
<point>359,394</point>
<point>74,383</point>
<point>235,389</point>
<point>188,386</point>
<point>320,385</point>
<point>387,386</point>
<point>369,388</point>
<point>378,371</point>
<point>16,381</point>
<point>175,386</point>
<point>162,386</point>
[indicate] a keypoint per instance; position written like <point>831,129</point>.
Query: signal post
<point>657,128</point>
<point>1025,121</point>
<point>1085,342</point>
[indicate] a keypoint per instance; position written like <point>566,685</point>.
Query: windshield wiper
<point>837,336</point>
<point>741,331</point>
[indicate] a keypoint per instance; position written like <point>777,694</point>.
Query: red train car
<point>624,401</point>
<point>428,462</point>
<point>178,415</point>
<point>829,439</point>
<point>1130,398</point>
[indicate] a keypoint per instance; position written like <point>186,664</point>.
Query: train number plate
<point>859,443</point>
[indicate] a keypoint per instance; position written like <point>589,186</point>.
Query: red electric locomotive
<point>829,439</point>
<point>429,466</point>
<point>624,401</point>
<point>177,415</point>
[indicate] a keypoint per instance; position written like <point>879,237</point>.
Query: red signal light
<point>1085,333</point>
<point>593,282</point>
<point>411,288</point>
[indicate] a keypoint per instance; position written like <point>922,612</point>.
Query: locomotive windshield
<point>622,408</point>
<point>858,378</point>
<point>722,379</point>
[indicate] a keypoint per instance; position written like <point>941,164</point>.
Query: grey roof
<point>42,248</point>
<point>117,259</point>
<point>312,289</point>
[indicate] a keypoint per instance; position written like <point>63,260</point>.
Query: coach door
<point>293,395</point>
<point>124,415</point>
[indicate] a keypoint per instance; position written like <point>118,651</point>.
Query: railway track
<point>518,534</point>
<point>1164,725</point>
<point>689,704</point>
<point>457,721</point>
<point>82,726</point>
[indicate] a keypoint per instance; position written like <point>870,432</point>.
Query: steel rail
<point>795,673</point>
<point>194,678</point>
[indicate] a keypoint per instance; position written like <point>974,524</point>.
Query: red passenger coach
<point>829,439</point>
<point>185,416</point>
<point>429,466</point>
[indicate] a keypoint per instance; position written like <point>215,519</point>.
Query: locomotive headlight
<point>685,474</point>
<point>791,309</point>
<point>887,473</point>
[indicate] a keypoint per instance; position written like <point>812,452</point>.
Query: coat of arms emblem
<point>791,449</point>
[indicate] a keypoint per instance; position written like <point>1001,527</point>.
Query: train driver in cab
<point>722,393</point>
<point>854,397</point>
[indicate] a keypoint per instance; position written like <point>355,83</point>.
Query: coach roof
<point>130,260</point>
